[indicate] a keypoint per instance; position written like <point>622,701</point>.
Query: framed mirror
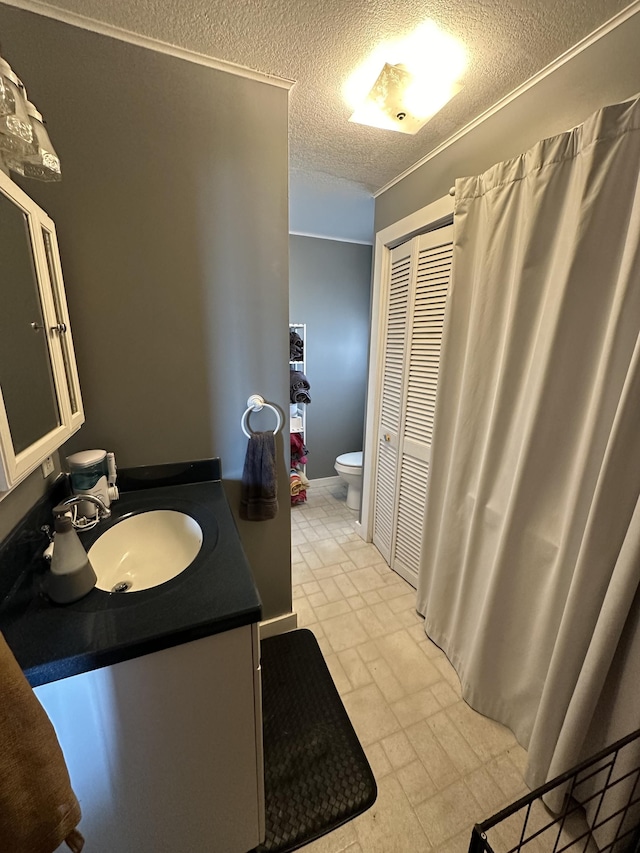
<point>40,402</point>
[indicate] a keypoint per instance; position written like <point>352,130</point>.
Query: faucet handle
<point>46,529</point>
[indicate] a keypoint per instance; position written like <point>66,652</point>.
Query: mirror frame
<point>15,467</point>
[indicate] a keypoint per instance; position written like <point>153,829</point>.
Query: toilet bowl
<point>349,467</point>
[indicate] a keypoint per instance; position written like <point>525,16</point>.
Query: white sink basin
<point>145,550</point>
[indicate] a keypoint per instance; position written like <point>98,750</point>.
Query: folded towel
<point>38,809</point>
<point>299,386</point>
<point>297,482</point>
<point>298,450</point>
<point>301,396</point>
<point>258,494</point>
<point>296,347</point>
<point>303,478</point>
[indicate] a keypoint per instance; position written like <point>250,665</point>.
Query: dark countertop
<point>214,594</point>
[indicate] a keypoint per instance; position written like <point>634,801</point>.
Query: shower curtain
<point>531,556</point>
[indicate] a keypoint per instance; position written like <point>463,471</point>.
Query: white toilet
<point>349,467</point>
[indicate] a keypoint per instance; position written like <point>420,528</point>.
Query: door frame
<point>434,215</point>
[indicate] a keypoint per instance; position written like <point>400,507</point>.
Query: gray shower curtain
<point>531,561</point>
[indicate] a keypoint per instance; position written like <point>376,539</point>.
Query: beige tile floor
<point>439,765</point>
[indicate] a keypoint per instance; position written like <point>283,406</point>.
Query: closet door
<point>410,391</point>
<point>392,383</point>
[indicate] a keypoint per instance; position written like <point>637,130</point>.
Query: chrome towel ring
<point>256,403</point>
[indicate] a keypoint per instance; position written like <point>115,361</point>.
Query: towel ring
<point>256,403</point>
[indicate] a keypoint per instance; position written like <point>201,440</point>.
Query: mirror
<point>26,375</point>
<point>40,402</point>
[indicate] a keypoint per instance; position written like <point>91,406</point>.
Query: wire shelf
<point>600,811</point>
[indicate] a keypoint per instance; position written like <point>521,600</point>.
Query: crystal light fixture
<point>16,133</point>
<point>41,161</point>
<point>398,102</point>
<point>25,147</point>
<point>419,75</point>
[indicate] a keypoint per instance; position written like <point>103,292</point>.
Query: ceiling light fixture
<point>419,75</point>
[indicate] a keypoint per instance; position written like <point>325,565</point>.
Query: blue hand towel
<point>258,495</point>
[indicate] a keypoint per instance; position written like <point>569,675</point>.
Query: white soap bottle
<point>71,575</point>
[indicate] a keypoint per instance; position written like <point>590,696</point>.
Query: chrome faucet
<point>74,500</point>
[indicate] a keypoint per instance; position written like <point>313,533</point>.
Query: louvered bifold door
<point>426,318</point>
<point>391,402</point>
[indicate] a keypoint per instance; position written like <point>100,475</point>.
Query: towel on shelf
<point>259,491</point>
<point>296,347</point>
<point>299,386</point>
<point>38,809</point>
<point>298,450</point>
<point>297,481</point>
<point>297,486</point>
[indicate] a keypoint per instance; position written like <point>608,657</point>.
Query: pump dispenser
<point>71,575</point>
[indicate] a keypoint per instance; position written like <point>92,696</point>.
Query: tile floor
<point>439,765</point>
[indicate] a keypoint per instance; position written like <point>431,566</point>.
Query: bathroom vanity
<point>164,750</point>
<point>155,695</point>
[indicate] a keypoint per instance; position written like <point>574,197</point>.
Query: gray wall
<point>173,227</point>
<point>606,72</point>
<point>322,206</point>
<point>17,503</point>
<point>330,291</point>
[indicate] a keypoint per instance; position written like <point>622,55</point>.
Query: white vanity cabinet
<point>40,403</point>
<point>165,750</point>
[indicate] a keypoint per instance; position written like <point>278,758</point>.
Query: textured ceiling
<point>318,43</point>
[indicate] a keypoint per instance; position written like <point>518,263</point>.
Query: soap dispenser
<point>71,575</point>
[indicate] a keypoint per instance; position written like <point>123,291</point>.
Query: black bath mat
<point>317,776</point>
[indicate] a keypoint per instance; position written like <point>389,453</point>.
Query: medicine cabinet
<point>40,403</point>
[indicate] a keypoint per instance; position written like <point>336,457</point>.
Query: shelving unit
<point>298,419</point>
<point>298,412</point>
